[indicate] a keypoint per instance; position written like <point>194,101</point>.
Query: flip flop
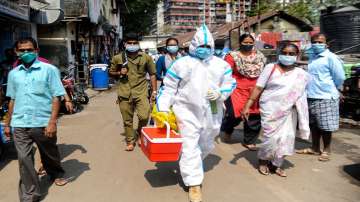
<point>307,151</point>
<point>41,171</point>
<point>250,147</point>
<point>61,182</point>
<point>130,147</point>
<point>264,170</point>
<point>325,156</point>
<point>280,172</point>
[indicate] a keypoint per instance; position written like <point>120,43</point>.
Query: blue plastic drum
<point>99,76</point>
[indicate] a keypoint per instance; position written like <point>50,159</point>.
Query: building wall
<point>55,43</point>
<point>281,25</point>
<point>14,23</point>
<point>185,15</point>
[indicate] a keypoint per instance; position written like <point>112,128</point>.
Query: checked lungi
<point>324,114</point>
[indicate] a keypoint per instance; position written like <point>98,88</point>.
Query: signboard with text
<point>15,8</point>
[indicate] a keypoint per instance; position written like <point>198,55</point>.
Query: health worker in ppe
<point>196,86</point>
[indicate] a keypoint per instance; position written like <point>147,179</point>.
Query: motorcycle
<point>350,107</point>
<point>75,91</point>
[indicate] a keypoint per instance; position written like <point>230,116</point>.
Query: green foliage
<point>137,15</point>
<point>303,10</point>
<point>264,6</point>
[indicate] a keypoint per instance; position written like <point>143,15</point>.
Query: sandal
<point>280,172</point>
<point>41,171</point>
<point>325,156</point>
<point>130,147</point>
<point>263,167</point>
<point>264,170</point>
<point>308,151</point>
<point>250,147</point>
<point>61,181</point>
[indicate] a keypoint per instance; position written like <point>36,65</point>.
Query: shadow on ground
<point>73,167</point>
<point>67,149</point>
<point>7,154</point>
<point>168,173</point>
<point>353,172</point>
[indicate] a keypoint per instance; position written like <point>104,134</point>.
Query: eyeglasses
<point>289,53</point>
<point>26,50</point>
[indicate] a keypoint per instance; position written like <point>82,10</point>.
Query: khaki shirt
<point>136,85</point>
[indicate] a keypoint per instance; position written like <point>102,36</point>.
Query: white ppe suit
<point>185,88</point>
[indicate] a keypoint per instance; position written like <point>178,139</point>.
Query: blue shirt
<point>33,90</point>
<point>160,68</point>
<point>327,76</point>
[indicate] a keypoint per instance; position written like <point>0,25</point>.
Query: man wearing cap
<point>130,67</point>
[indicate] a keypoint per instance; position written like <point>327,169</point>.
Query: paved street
<point>93,155</point>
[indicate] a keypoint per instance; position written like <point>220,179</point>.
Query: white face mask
<point>132,48</point>
<point>287,60</point>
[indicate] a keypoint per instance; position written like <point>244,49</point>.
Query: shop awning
<point>38,4</point>
<point>47,11</point>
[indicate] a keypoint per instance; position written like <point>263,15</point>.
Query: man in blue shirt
<point>34,88</point>
<point>323,93</point>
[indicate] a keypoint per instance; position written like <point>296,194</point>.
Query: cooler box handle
<point>167,129</point>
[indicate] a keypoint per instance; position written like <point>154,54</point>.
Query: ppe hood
<point>201,37</point>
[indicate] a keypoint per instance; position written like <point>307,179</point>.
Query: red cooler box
<point>161,144</point>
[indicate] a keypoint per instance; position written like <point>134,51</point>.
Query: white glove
<point>213,95</point>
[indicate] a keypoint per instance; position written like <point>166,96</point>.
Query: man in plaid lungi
<point>323,93</point>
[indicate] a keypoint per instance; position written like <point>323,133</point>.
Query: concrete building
<point>89,33</point>
<point>182,16</point>
<point>17,21</point>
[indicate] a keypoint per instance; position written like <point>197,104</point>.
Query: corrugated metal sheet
<point>270,38</point>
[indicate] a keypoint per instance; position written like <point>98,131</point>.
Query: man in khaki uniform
<point>131,67</point>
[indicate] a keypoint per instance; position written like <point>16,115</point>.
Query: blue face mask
<point>172,49</point>
<point>132,48</point>
<point>287,60</point>
<point>318,48</point>
<point>202,53</point>
<point>28,57</point>
<point>218,52</point>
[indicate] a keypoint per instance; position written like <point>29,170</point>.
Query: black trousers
<point>29,185</point>
<point>251,127</point>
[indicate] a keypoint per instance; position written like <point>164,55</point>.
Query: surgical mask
<point>202,53</point>
<point>172,49</point>
<point>218,52</point>
<point>287,60</point>
<point>310,53</point>
<point>132,48</point>
<point>28,57</point>
<point>318,48</point>
<point>246,48</point>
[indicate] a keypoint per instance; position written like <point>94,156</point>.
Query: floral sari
<point>283,109</point>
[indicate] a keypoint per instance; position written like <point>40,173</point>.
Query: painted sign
<point>15,8</point>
